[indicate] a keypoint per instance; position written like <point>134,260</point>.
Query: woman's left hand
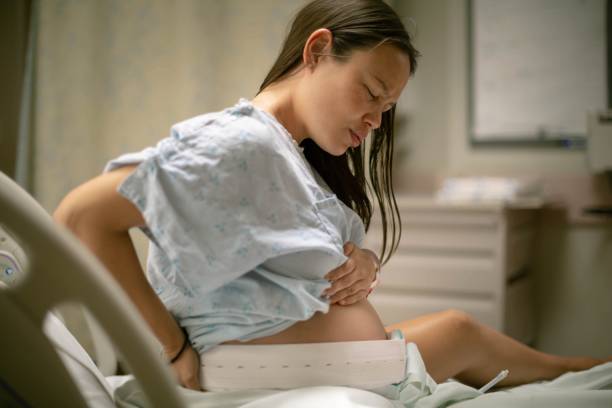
<point>351,281</point>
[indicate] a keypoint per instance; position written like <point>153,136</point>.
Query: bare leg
<point>455,345</point>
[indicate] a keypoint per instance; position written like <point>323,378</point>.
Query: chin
<point>337,151</point>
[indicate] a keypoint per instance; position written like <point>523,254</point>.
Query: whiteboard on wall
<point>536,68</point>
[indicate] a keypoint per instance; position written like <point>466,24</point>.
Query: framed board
<point>536,67</point>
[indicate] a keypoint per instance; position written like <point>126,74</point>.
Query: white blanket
<point>589,388</point>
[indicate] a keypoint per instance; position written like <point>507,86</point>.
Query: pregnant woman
<point>256,213</point>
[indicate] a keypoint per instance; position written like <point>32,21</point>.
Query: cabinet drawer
<point>443,272</point>
<point>393,307</point>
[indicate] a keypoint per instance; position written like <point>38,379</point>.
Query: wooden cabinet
<point>471,257</point>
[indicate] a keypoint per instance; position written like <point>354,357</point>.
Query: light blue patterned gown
<point>242,229</point>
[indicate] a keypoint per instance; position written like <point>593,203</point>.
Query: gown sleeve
<point>221,202</point>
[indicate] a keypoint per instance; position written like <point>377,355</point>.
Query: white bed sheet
<point>589,388</point>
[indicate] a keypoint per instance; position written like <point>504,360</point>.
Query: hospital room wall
<point>573,257</point>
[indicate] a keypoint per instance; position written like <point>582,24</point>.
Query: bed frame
<point>60,270</point>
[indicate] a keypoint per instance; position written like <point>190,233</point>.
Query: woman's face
<point>341,101</point>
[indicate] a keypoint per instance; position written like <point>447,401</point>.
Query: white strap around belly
<point>362,364</point>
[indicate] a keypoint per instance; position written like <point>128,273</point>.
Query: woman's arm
<point>100,217</point>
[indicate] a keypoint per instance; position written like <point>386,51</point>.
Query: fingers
<point>347,267</point>
<point>346,275</point>
<point>351,277</point>
<point>193,384</point>
<point>354,298</point>
<point>348,248</point>
<point>341,271</point>
<point>341,280</point>
<point>350,290</point>
<point>187,369</point>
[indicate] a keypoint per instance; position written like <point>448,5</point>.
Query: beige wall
<point>113,76</point>
<point>573,262</point>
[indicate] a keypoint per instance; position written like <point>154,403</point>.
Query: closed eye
<point>372,96</point>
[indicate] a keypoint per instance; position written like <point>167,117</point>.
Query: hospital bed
<point>60,271</point>
<point>42,364</point>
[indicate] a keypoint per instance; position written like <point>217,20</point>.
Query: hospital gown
<point>242,229</point>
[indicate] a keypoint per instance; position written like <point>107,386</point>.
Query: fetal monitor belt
<point>361,364</point>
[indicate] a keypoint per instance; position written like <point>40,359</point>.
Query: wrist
<point>173,352</point>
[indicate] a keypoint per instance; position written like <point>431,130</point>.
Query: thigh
<point>446,341</point>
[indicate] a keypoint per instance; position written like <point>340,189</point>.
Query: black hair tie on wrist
<point>183,347</point>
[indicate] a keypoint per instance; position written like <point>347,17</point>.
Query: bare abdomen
<point>355,322</point>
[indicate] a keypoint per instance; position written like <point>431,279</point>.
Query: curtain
<point>112,76</point>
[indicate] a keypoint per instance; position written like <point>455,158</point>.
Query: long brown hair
<point>355,25</point>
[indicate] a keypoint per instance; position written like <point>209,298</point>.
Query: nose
<point>373,119</point>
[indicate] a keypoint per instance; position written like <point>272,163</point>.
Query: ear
<point>319,42</point>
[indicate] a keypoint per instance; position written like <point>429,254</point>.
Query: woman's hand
<point>187,369</point>
<point>351,281</point>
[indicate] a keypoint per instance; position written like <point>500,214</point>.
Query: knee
<point>461,321</point>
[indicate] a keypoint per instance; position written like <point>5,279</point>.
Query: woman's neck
<point>277,100</point>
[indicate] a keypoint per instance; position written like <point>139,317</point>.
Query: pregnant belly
<point>355,322</point>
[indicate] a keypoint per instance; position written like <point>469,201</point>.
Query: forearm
<point>116,251</point>
<point>101,219</point>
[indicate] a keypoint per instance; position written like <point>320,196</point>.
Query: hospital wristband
<point>183,347</point>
